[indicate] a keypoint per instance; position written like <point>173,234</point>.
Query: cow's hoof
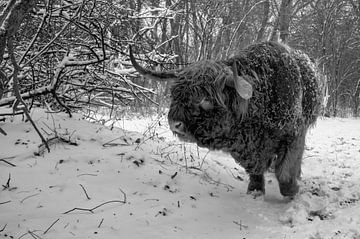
<point>255,194</point>
<point>289,189</point>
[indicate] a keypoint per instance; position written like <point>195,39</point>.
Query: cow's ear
<point>243,88</point>
<point>241,85</point>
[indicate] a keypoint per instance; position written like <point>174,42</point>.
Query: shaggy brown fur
<point>208,109</point>
<point>271,124</point>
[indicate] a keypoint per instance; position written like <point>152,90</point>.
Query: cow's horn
<point>154,75</point>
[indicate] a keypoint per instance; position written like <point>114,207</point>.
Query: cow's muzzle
<point>177,127</point>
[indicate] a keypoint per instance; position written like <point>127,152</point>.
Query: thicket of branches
<point>72,54</point>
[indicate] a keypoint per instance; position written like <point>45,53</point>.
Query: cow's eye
<point>206,104</point>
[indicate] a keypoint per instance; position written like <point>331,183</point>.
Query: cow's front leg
<point>256,184</point>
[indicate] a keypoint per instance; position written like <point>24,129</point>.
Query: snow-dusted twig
<point>43,20</point>
<point>19,101</point>
<point>52,224</point>
<point>133,85</point>
<point>47,45</point>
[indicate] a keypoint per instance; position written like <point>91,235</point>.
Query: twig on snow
<point>86,174</point>
<point>96,207</point>
<point>5,202</point>
<point>53,141</point>
<point>3,131</point>
<point>35,236</point>
<point>7,185</point>
<point>5,161</point>
<point>186,164</point>
<point>110,143</point>
<point>102,220</point>
<point>51,226</point>
<point>174,175</point>
<point>3,228</point>
<point>31,233</point>
<point>100,205</point>
<point>124,195</point>
<point>240,225</point>
<point>87,196</point>
<point>33,195</point>
<point>202,162</point>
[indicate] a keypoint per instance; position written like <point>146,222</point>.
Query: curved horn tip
<point>159,76</point>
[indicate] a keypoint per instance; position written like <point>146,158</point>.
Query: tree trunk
<point>284,20</point>
<point>195,29</point>
<point>356,99</point>
<point>260,36</point>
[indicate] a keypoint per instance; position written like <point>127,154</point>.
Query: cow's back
<point>277,98</point>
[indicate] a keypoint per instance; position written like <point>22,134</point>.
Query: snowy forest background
<point>71,54</point>
<point>114,169</point>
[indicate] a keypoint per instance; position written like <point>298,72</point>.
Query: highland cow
<point>257,106</point>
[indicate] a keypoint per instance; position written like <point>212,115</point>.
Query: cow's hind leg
<point>256,184</point>
<point>288,164</point>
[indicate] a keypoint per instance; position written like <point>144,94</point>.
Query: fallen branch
<point>16,87</point>
<point>102,204</point>
<point>96,207</point>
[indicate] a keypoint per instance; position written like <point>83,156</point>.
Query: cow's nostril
<point>177,126</point>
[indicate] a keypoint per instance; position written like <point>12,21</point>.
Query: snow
<point>142,182</point>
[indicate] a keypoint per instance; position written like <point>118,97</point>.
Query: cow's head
<point>207,97</point>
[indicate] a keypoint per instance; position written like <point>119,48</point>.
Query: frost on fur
<point>267,121</point>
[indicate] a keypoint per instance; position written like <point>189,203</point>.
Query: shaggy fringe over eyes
<point>211,77</point>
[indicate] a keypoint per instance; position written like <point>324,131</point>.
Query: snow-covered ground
<point>102,183</point>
